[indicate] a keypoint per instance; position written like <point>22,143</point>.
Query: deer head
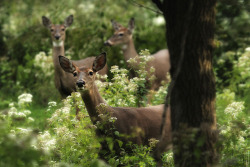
<point>122,35</point>
<point>57,30</point>
<point>85,76</point>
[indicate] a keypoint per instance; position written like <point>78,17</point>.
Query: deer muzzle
<point>80,84</point>
<point>57,37</point>
<point>107,43</point>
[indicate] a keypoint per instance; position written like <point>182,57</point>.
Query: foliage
<point>232,31</point>
<point>75,141</point>
<point>234,126</point>
<point>18,141</point>
<point>24,37</point>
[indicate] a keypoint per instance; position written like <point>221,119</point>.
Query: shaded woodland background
<point>23,37</point>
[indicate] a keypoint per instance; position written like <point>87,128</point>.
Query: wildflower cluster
<point>159,96</point>
<point>145,74</point>
<point>44,63</point>
<point>243,67</point>
<point>51,105</point>
<point>234,109</point>
<point>46,142</point>
<point>121,91</point>
<point>18,140</point>
<point>168,159</point>
<point>244,63</point>
<point>19,112</point>
<point>141,63</point>
<point>24,99</point>
<point>234,128</point>
<point>72,138</point>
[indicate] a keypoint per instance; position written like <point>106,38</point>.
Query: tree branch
<point>142,6</point>
<point>158,4</point>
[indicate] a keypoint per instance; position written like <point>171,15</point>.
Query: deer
<point>124,37</point>
<point>136,125</point>
<point>64,82</point>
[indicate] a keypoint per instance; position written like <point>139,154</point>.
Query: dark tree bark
<point>190,32</point>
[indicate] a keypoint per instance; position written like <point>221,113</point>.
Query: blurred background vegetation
<point>22,37</point>
<point>25,49</point>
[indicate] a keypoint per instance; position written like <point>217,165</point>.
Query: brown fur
<point>137,125</point>
<point>65,82</point>
<point>161,61</point>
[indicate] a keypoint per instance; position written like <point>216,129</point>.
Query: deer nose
<point>106,43</point>
<point>80,83</point>
<point>57,37</point>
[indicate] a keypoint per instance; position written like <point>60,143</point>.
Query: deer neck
<point>129,50</point>
<point>92,100</point>
<point>58,49</point>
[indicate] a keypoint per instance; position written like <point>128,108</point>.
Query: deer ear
<point>46,22</point>
<point>115,25</point>
<point>66,64</point>
<point>131,24</point>
<point>99,62</point>
<point>68,21</point>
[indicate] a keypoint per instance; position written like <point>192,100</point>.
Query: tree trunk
<point>190,32</point>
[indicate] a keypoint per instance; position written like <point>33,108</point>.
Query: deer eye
<point>75,74</point>
<point>51,30</point>
<point>120,35</point>
<point>63,29</point>
<point>91,73</point>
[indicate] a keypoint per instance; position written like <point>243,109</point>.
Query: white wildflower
<point>44,62</point>
<point>225,130</point>
<point>65,110</point>
<point>27,112</point>
<point>86,7</point>
<point>234,109</point>
<point>114,69</point>
<point>112,119</point>
<point>12,131</point>
<point>132,61</point>
<point>52,103</point>
<point>16,115</point>
<point>78,94</point>
<point>46,142</point>
<point>159,21</point>
<point>152,69</point>
<point>24,98</point>
<point>24,131</point>
<point>33,143</point>
<point>12,111</point>
<point>11,104</point>
<point>30,119</point>
<point>100,115</point>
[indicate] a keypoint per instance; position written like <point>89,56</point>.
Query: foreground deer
<point>123,37</point>
<point>136,125</point>
<point>65,82</point>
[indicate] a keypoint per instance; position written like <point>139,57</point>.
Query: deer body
<point>137,124</point>
<point>64,82</point>
<point>145,119</point>
<point>123,37</point>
